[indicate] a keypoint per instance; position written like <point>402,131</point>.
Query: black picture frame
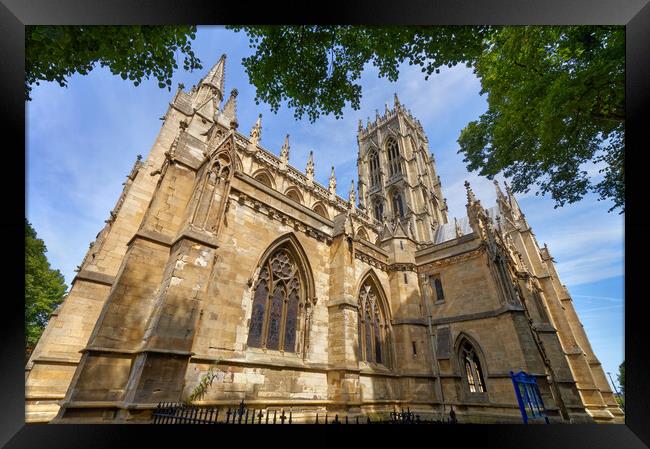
<point>634,14</point>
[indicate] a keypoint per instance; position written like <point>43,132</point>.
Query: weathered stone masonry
<point>386,299</point>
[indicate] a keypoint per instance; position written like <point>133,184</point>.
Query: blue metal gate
<point>528,397</point>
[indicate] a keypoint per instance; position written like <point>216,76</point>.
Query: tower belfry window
<point>398,205</point>
<point>394,166</point>
<point>379,210</point>
<point>373,162</point>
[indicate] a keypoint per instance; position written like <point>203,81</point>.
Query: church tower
<point>397,175</point>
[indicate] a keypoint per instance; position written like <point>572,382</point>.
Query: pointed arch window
<point>398,204</point>
<point>394,166</point>
<point>278,294</point>
<point>471,368</point>
<point>373,331</point>
<point>373,162</point>
<point>378,207</point>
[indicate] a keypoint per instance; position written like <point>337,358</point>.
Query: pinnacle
<point>230,108</point>
<point>216,76</point>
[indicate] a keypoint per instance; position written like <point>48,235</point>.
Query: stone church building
<point>221,257</point>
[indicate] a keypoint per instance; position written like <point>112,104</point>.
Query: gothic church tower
<point>397,175</point>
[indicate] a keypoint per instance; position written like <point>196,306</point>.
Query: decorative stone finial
<point>284,151</point>
<point>377,115</point>
<point>360,125</point>
<point>230,109</point>
<point>352,195</point>
<point>500,195</point>
<point>309,171</point>
<point>470,195</point>
<point>387,111</point>
<point>459,231</point>
<point>332,188</point>
<point>256,131</point>
<point>397,105</point>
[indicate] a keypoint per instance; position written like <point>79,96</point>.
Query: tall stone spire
<point>309,171</point>
<point>216,76</point>
<point>230,109</point>
<point>397,104</point>
<point>332,186</point>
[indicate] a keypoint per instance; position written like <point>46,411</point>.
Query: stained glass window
<point>372,326</point>
<point>278,292</point>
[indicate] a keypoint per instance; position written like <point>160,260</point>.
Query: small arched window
<point>373,162</point>
<point>320,210</point>
<point>372,326</point>
<point>294,195</point>
<point>264,179</point>
<point>378,207</point>
<point>394,166</point>
<point>363,234</point>
<point>276,299</point>
<point>471,368</point>
<point>437,286</point>
<point>398,205</point>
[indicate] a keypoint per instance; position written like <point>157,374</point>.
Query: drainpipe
<point>435,367</point>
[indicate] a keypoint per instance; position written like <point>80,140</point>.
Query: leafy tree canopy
<point>555,94</point>
<point>44,287</point>
<point>621,376</point>
<point>54,53</point>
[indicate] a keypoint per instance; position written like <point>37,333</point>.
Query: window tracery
<point>276,303</point>
<point>373,162</point>
<point>471,367</point>
<point>394,166</point>
<point>372,327</point>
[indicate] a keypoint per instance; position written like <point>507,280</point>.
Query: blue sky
<point>83,140</point>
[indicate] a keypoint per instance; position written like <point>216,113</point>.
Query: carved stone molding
<point>371,260</point>
<point>275,214</point>
<point>402,267</point>
<point>451,260</point>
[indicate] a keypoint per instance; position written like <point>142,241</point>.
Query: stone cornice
<point>451,259</point>
<point>94,276</point>
<point>370,260</point>
<point>198,236</point>
<point>151,236</point>
<point>479,315</point>
<point>276,214</point>
<point>405,266</point>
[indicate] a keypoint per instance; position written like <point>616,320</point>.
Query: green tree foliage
<point>621,376</point>
<point>44,288</point>
<point>54,53</point>
<point>555,94</point>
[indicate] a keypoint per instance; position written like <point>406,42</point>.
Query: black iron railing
<point>175,413</point>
